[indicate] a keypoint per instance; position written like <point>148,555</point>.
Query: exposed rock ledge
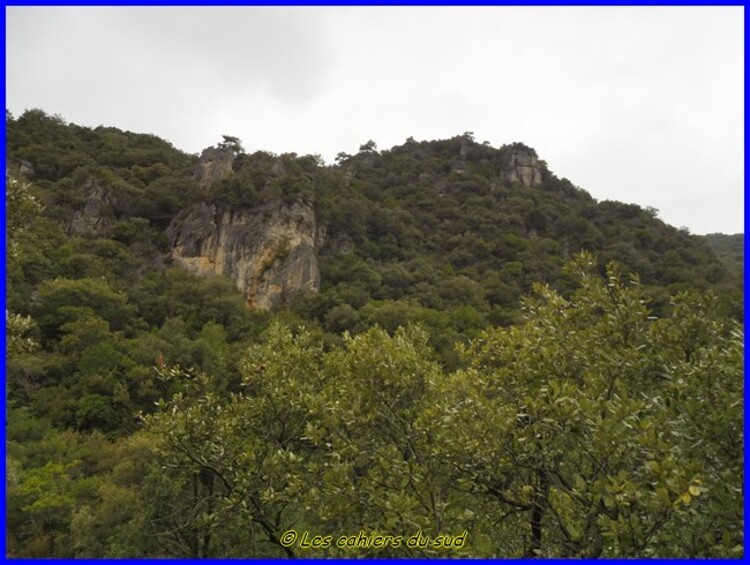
<point>215,164</point>
<point>523,166</point>
<point>267,251</point>
<point>96,215</point>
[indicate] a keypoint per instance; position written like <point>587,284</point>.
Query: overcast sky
<point>640,105</point>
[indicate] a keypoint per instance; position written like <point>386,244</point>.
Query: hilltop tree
<point>232,144</point>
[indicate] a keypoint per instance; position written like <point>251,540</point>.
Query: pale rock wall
<point>96,215</point>
<point>267,252</point>
<point>523,167</point>
<point>214,164</point>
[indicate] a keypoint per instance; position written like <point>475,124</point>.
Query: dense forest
<point>486,361</point>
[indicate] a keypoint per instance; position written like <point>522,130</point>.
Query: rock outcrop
<point>96,215</point>
<point>26,169</point>
<point>215,164</point>
<point>267,251</point>
<point>523,167</point>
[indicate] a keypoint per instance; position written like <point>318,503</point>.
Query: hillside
<point>144,282</point>
<point>730,249</point>
<point>401,235</point>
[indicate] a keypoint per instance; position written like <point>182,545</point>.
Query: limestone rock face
<point>215,164</point>
<point>523,166</point>
<point>267,251</point>
<point>299,270</point>
<point>95,216</point>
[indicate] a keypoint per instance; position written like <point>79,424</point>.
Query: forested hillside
<point>730,249</point>
<point>205,353</point>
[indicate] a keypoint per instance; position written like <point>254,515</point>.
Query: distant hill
<point>730,249</point>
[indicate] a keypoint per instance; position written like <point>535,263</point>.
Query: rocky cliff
<point>95,217</point>
<point>214,164</point>
<point>267,251</point>
<point>523,166</point>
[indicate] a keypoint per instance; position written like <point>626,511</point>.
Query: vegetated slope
<point>414,205</point>
<point>418,222</point>
<point>730,249</point>
<point>450,234</point>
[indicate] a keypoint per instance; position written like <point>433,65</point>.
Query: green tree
<point>241,457</point>
<point>63,301</point>
<point>232,144</point>
<point>21,206</point>
<point>586,408</point>
<point>378,466</point>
